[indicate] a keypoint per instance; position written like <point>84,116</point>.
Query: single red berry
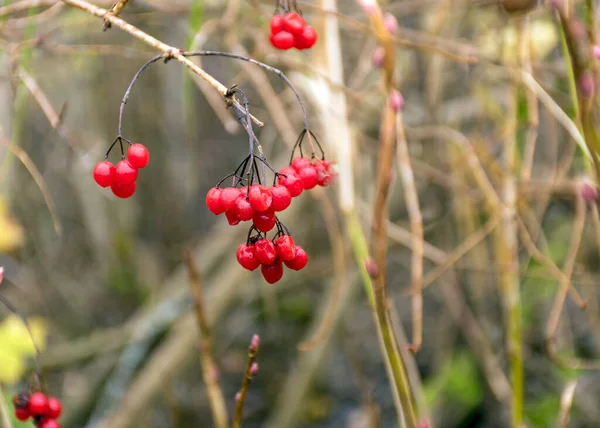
<point>49,423</point>
<point>273,272</point>
<point>276,24</point>
<point>138,155</point>
<point>232,218</point>
<point>38,404</point>
<point>246,257</point>
<point>54,407</point>
<point>282,40</point>
<point>104,173</point>
<point>286,249</point>
<point>265,251</point>
<point>260,197</point>
<point>291,181</point>
<point>306,39</point>
<point>21,400</point>
<point>229,197</point>
<point>213,201</point>
<point>125,173</point>
<point>243,209</point>
<point>244,191</point>
<point>293,23</point>
<point>123,191</point>
<point>299,163</point>
<point>264,221</point>
<point>300,259</point>
<point>309,177</point>
<point>22,414</point>
<point>281,198</point>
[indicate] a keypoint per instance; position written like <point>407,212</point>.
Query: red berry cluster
<point>260,205</point>
<point>42,409</point>
<point>122,178</point>
<point>291,31</point>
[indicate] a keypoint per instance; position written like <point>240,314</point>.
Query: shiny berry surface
<point>265,251</point>
<point>299,261</point>
<point>291,181</point>
<point>22,414</point>
<point>49,423</point>
<point>246,257</point>
<point>54,407</point>
<point>282,198</point>
<point>38,404</point>
<point>273,272</point>
<point>264,221</point>
<point>286,249</point>
<point>260,197</point>
<point>309,177</point>
<point>123,191</point>
<point>282,40</point>
<point>125,173</point>
<point>213,201</point>
<point>229,197</point>
<point>293,23</point>
<point>276,24</point>
<point>104,173</point>
<point>243,209</point>
<point>138,155</point>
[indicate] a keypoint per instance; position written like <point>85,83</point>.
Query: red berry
<point>281,198</point>
<point>123,191</point>
<point>104,173</point>
<point>246,257</point>
<point>309,177</point>
<point>138,155</point>
<point>243,209</point>
<point>260,197</point>
<point>293,23</point>
<point>264,221</point>
<point>229,197</point>
<point>22,414</point>
<point>299,261</point>
<point>273,272</point>
<point>282,40</point>
<point>299,163</point>
<point>265,251</point>
<point>276,24</point>
<point>49,423</point>
<point>232,218</point>
<point>306,39</point>
<point>54,407</point>
<point>213,201</point>
<point>290,179</point>
<point>286,249</point>
<point>125,173</point>
<point>38,404</point>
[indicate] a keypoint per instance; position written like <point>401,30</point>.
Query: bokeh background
<point>109,296</point>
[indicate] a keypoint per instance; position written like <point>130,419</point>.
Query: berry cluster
<point>259,204</point>
<point>291,31</point>
<point>42,409</point>
<point>122,177</point>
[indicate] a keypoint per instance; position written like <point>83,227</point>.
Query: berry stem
<point>241,397</point>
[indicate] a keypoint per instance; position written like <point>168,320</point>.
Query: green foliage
<point>543,412</point>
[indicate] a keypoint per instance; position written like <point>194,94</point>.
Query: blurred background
<point>103,280</point>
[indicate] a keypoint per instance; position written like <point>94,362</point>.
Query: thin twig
<point>209,367</point>
<point>566,402</point>
<point>173,52</point>
<point>115,10</point>
<point>251,370</point>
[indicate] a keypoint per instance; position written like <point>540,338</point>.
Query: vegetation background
<point>496,144</point>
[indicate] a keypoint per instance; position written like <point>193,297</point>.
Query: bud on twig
<point>586,84</point>
<point>368,6</point>
<point>1,274</point>
<point>390,22</point>
<point>254,369</point>
<point>372,268</point>
<point>378,57</point>
<point>587,190</point>
<point>254,343</point>
<point>396,100</point>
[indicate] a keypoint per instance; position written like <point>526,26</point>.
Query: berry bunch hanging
<point>122,177</point>
<point>38,406</point>
<point>290,30</point>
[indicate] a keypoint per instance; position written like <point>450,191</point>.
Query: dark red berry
<point>54,407</point>
<point>21,400</point>
<point>323,176</point>
<point>286,249</point>
<point>123,191</point>
<point>282,40</point>
<point>299,261</point>
<point>265,251</point>
<point>125,173</point>
<point>246,257</point>
<point>291,181</point>
<point>38,404</point>
<point>232,218</point>
<point>104,173</point>
<point>293,23</point>
<point>22,414</point>
<point>213,201</point>
<point>138,155</point>
<point>49,423</point>
<point>264,221</point>
<point>276,24</point>
<point>260,197</point>
<point>299,163</point>
<point>309,177</point>
<point>306,39</point>
<point>229,197</point>
<point>243,209</point>
<point>273,272</point>
<point>281,198</point>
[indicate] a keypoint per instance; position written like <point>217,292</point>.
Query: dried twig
<point>115,10</point>
<point>209,367</point>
